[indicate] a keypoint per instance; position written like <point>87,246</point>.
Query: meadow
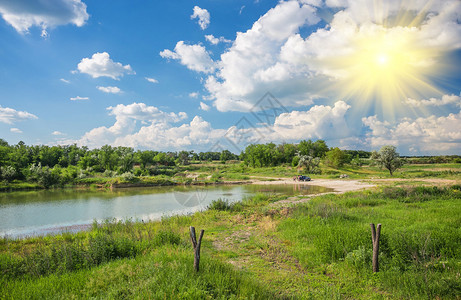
<point>259,249</point>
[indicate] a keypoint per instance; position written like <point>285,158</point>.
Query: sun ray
<point>387,64</point>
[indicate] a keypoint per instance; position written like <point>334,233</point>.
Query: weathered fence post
<point>375,238</point>
<point>196,246</point>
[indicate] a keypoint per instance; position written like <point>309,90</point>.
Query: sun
<point>382,60</point>
<point>384,65</point>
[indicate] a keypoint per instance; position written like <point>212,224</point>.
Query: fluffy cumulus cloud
<point>252,66</point>
<point>164,136</point>
<point>194,57</point>
<point>101,65</point>
<point>24,14</point>
<point>423,135</point>
<point>204,106</point>
<point>127,118</point>
<point>109,89</point>
<point>319,122</point>
<point>277,55</point>
<point>202,15</point>
<point>214,40</point>
<point>444,100</point>
<point>11,116</point>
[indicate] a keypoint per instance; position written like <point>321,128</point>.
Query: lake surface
<point>53,211</point>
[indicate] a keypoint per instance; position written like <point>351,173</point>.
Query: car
<point>301,178</point>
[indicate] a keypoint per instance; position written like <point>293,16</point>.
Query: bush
<point>221,205</point>
<point>128,176</point>
<point>8,173</point>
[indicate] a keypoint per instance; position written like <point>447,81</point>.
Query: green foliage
<point>387,158</point>
<point>220,204</point>
<point>336,158</point>
<point>8,173</point>
<point>309,163</point>
<point>128,177</point>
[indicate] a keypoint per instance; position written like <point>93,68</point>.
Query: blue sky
<point>174,75</point>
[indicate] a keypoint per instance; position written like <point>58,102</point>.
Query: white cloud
<point>252,66</point>
<point>64,80</point>
<point>78,98</point>
<point>165,136</point>
<point>127,118</point>
<point>57,133</point>
<point>152,80</point>
<point>109,89</point>
<point>319,122</point>
<point>194,95</point>
<point>204,106</point>
<point>202,15</point>
<point>276,55</point>
<point>214,40</point>
<point>445,100</point>
<point>194,57</point>
<point>425,135</point>
<point>101,65</point>
<point>11,116</point>
<point>15,130</point>
<point>23,14</point>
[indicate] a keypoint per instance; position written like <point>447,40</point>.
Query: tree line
<point>306,153</point>
<point>48,164</point>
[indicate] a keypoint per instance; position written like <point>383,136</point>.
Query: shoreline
<point>338,185</point>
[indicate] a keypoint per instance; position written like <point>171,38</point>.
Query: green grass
<point>420,254</point>
<point>165,273</point>
<point>320,249</point>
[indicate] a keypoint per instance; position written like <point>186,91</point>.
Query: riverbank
<point>317,249</point>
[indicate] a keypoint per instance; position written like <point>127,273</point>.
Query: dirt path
<point>339,185</point>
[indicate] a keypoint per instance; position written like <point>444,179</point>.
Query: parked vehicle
<point>301,178</point>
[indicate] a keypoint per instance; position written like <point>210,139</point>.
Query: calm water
<point>47,212</point>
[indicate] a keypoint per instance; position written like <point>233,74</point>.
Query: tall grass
<point>166,273</point>
<point>105,243</point>
<point>420,253</point>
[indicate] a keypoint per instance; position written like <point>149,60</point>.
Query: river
<point>35,213</point>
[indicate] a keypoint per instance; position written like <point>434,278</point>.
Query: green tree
<point>183,158</point>
<point>336,158</point>
<point>388,158</point>
<point>309,163</point>
<point>226,155</point>
<point>126,159</point>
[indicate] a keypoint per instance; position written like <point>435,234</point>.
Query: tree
<point>335,158</point>
<point>226,155</point>
<point>310,164</point>
<point>388,158</point>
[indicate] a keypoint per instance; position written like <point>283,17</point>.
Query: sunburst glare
<point>386,64</point>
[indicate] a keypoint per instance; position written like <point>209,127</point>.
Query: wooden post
<point>375,238</point>
<point>196,246</point>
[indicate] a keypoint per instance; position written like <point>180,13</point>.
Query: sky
<point>221,74</point>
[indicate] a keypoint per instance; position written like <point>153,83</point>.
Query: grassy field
<point>260,249</point>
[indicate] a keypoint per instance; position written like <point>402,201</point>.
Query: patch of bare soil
<point>339,185</point>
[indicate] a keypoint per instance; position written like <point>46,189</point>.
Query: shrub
<point>220,204</point>
<point>128,176</point>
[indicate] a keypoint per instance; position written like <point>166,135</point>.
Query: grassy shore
<point>319,248</point>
